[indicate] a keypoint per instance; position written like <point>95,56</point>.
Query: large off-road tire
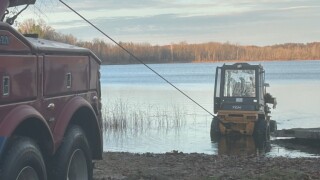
<point>262,135</point>
<point>260,128</point>
<point>215,130</point>
<point>23,160</point>
<point>273,126</point>
<point>73,159</point>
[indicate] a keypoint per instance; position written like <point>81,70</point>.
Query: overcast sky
<point>247,22</point>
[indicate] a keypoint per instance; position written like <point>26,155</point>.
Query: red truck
<point>50,107</point>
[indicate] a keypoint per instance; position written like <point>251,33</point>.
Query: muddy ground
<point>176,165</point>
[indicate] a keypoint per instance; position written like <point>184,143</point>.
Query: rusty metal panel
<point>18,78</point>
<point>65,75</point>
<point>9,42</point>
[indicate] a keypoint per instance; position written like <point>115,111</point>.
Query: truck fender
<point>21,114</point>
<point>69,109</point>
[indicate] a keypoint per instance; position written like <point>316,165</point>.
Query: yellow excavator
<point>241,102</point>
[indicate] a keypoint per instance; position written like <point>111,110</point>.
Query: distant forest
<point>177,53</point>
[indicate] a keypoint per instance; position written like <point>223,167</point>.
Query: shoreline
<point>226,61</point>
<point>248,61</point>
<point>177,165</point>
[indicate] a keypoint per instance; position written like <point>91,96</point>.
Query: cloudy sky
<point>246,22</point>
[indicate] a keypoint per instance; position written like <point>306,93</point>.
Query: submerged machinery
<point>241,101</point>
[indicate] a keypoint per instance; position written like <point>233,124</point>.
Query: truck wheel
<point>73,159</point>
<point>215,130</point>
<point>23,161</point>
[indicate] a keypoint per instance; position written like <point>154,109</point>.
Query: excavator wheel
<point>262,130</point>
<point>262,135</point>
<point>273,126</point>
<point>215,130</point>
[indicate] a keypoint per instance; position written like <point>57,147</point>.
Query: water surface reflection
<point>241,145</point>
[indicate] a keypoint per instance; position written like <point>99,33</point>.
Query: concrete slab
<point>303,133</point>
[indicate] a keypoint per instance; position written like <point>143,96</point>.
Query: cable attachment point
<point>11,20</point>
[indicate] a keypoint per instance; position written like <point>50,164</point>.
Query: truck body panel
<point>50,105</point>
<point>65,75</point>
<point>18,78</point>
<point>47,82</point>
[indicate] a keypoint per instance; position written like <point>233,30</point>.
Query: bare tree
<point>177,53</point>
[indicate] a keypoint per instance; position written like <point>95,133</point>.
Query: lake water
<point>161,119</point>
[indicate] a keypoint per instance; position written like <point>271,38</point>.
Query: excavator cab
<point>241,101</point>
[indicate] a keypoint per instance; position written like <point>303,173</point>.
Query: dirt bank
<point>201,166</point>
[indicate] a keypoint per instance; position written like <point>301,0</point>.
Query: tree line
<point>177,52</point>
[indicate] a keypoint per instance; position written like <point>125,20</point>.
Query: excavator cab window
<point>218,82</point>
<point>239,83</point>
